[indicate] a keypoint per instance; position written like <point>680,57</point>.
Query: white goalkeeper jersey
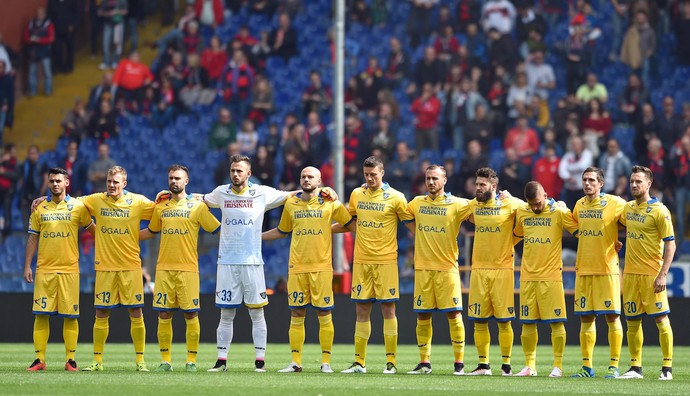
<point>243,216</point>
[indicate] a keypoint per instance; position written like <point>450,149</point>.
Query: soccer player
<point>651,246</point>
<point>56,291</point>
<point>491,281</point>
<point>178,219</point>
<point>597,279</point>
<point>378,208</point>
<point>438,216</point>
<point>308,217</point>
<point>540,224</point>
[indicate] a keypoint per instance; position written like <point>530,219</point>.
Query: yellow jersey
<point>437,223</point>
<point>179,223</point>
<point>57,227</point>
<point>648,227</point>
<point>377,213</point>
<point>493,246</point>
<point>310,224</point>
<point>542,235</point>
<point>117,229</point>
<point>597,234</point>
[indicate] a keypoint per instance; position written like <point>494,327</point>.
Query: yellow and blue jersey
<point>493,234</point>
<point>597,234</point>
<point>648,227</point>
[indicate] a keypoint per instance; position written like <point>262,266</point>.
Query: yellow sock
<point>165,335</point>
<point>424,334</point>
<point>101,328</point>
<point>297,335</point>
<point>457,338</point>
<point>41,335</point>
<point>70,334</point>
<point>192,336</point>
<point>362,333</point>
<point>505,340</point>
<point>530,338</point>
<point>137,329</point>
<point>666,342</point>
<point>588,337</point>
<point>558,343</point>
<point>390,339</point>
<point>615,341</point>
<point>482,339</point>
<point>326,334</point>
<point>635,341</point>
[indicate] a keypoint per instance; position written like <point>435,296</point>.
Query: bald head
<point>310,179</point>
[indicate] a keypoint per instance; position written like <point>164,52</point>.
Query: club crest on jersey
<point>557,311</point>
<point>447,200</point>
<point>386,195</point>
<point>76,307</point>
<point>262,294</point>
<point>607,303</point>
<point>392,291</point>
<point>138,297</point>
<point>190,205</point>
<point>649,209</point>
<point>70,206</point>
<point>252,192</point>
<point>658,305</point>
<point>195,302</point>
<point>321,201</point>
<point>455,300</point>
<point>511,310</point>
<point>552,208</point>
<point>603,202</point>
<point>129,201</point>
<point>327,300</point>
<point>498,203</point>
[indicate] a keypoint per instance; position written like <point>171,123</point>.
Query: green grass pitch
<point>120,377</point>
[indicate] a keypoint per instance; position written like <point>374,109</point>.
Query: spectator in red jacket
<point>236,84</point>
<point>214,59</point>
<point>131,76</point>
<point>545,171</point>
<point>446,45</point>
<point>427,109</point>
<point>39,37</point>
<point>523,139</point>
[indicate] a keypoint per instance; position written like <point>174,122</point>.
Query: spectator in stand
<point>468,12</point>
<point>262,100</point>
<point>98,170</point>
<point>639,46</point>
<point>668,124</point>
<point>614,164</point>
<point>384,139</point>
<point>220,174</point>
<point>446,45</point>
<point>632,98</point>
<point>443,20</point>
<point>681,170</point>
<point>540,75</point>
<point>192,42</point>
<point>474,159</point>
<point>95,25</point>
<point>76,170</point>
<point>398,65</point>
<point>389,108</point>
<point>592,89</point>
<point>263,167</point>
<point>175,36</point>
<point>527,21</point>
<point>420,19</point>
<point>260,52</point>
<point>39,37</point>
<point>223,132</point>
<point>66,16</point>
<point>576,159</point>
<point>428,70</point>
<point>369,84</point>
<point>523,140</point>
<point>379,14</point>
<point>427,109</point>
<point>552,11</point>
<point>578,56</point>
<point>33,181</point>
<point>538,113</point>
<point>514,174</point>
<point>7,56</point>
<point>197,86</point>
<point>101,92</point>
<point>174,71</point>
<point>519,96</point>
<point>293,164</point>
<point>685,120</point>
<point>499,15</point>
<point>619,20</point>
<point>502,50</point>
<point>6,97</point>
<point>131,77</point>
<point>479,128</point>
<point>645,129</point>
<point>319,144</point>
<point>534,42</point>
<point>247,42</point>
<point>113,13</point>
<point>248,138</point>
<point>103,123</point>
<point>214,59</point>
<point>296,141</point>
<point>399,172</point>
<point>622,188</point>
<point>352,140</point>
<point>545,171</point>
<point>596,126</point>
<point>360,13</point>
<point>9,178</point>
<point>236,83</point>
<point>283,39</point>
<point>317,97</point>
<point>210,14</point>
<point>75,123</point>
<point>655,158</point>
<point>266,7</point>
<point>136,13</point>
<point>550,139</point>
<point>682,31</point>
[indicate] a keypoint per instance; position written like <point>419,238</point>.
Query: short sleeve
<point>146,207</point>
<point>340,214</point>
<point>84,217</point>
<point>352,205</point>
<point>401,209</point>
<point>213,199</point>
<point>568,221</point>
<point>207,220</point>
<point>285,226</point>
<point>463,210</point>
<point>35,223</point>
<point>518,230</point>
<point>155,224</point>
<point>665,225</point>
<point>274,198</point>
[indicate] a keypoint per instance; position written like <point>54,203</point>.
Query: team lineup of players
<point>311,216</point>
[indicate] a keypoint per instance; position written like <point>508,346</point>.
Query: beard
<point>483,197</point>
<point>175,189</point>
<point>308,190</point>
